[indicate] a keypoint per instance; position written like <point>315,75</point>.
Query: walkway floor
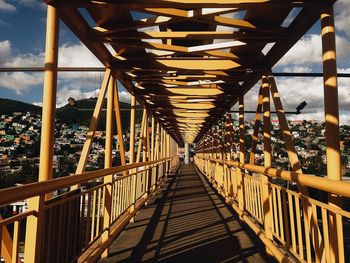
<point>185,221</point>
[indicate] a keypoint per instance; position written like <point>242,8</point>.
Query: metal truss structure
<point>187,62</point>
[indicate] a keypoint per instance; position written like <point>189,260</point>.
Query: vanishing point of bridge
<point>186,62</point>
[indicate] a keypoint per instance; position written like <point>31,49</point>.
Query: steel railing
<point>299,224</point>
<point>73,223</point>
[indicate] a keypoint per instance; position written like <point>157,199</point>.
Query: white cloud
<point>296,69</point>
<point>76,56</point>
<point>70,84</point>
<point>20,82</point>
<point>40,104</point>
<point>78,94</point>
<point>295,90</point>
<point>4,6</point>
<point>343,70</point>
<point>24,60</point>
<point>343,49</point>
<point>5,51</point>
<point>342,10</point>
<point>124,96</point>
<point>308,51</point>
<point>8,7</point>
<point>33,3</point>
<point>315,116</point>
<point>69,56</point>
<point>345,118</point>
<point>66,92</point>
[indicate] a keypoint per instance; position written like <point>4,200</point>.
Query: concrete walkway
<point>185,221</point>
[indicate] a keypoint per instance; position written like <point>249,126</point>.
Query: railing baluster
<point>274,212</point>
<point>68,231</point>
<point>88,219</point>
<point>50,227</point>
<point>292,221</point>
<point>99,210</point>
<point>316,241</point>
<point>129,191</point>
<point>306,233</point>
<point>82,221</point>
<point>286,225</point>
<point>114,203</point>
<point>339,220</point>
<point>300,235</point>
<point>119,202</point>
<point>255,198</point>
<point>60,232</point>
<point>1,241</point>
<point>280,214</point>
<point>93,216</point>
<point>325,233</point>
<point>260,202</point>
<point>16,232</point>
<point>123,195</point>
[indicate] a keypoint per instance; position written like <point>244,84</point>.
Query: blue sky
<point>22,42</point>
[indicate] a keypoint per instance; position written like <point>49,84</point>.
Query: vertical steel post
<point>256,127</point>
<point>49,101</point>
<point>139,147</point>
<point>34,229</point>
<point>239,176</point>
<point>108,163</point>
<point>119,123</point>
<point>187,153</point>
<point>93,125</point>
<point>152,138</point>
<point>266,191</point>
<point>132,152</point>
<point>331,105</point>
<point>286,133</point>
<point>157,151</point>
<point>148,153</point>
<point>266,123</point>
<point>132,130</point>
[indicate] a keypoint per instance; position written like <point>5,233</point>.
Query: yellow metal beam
<point>119,124</point>
<point>93,124</point>
<point>107,193</point>
<point>266,188</point>
<point>332,135</point>
<point>34,229</point>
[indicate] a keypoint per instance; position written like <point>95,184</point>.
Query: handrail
<point>13,194</point>
<point>321,183</point>
<point>18,217</point>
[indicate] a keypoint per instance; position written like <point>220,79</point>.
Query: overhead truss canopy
<point>188,61</point>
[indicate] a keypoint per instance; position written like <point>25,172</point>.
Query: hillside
<point>81,114</point>
<point>8,106</point>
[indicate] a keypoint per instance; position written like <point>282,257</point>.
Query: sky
<point>22,44</point>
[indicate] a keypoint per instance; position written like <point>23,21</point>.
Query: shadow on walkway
<point>186,221</point>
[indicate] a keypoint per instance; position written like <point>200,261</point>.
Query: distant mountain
<point>80,114</point>
<point>8,106</point>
